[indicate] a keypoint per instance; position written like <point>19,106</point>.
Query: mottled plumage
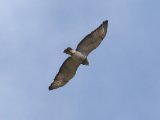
<point>79,56</point>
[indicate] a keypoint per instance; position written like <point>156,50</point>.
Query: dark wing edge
<point>66,72</point>
<point>92,40</point>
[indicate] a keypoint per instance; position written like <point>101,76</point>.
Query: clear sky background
<point>122,81</point>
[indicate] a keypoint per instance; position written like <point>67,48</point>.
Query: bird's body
<point>79,56</point>
<point>76,55</point>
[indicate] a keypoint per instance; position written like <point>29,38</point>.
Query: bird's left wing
<point>92,40</point>
<point>66,72</point>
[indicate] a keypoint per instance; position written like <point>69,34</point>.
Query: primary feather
<point>92,40</point>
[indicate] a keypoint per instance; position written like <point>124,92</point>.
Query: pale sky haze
<point>122,81</point>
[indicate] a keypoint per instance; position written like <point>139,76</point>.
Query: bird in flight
<point>79,56</point>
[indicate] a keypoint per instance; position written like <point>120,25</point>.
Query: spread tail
<point>85,62</point>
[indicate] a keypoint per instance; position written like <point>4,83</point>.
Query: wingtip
<point>50,88</point>
<point>105,22</point>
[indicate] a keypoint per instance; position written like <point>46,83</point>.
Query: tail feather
<point>85,62</point>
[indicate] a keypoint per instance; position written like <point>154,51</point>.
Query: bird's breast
<point>79,57</point>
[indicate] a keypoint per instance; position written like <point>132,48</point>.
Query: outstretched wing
<point>92,40</point>
<point>66,72</point>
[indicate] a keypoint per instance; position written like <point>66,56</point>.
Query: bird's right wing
<point>66,72</point>
<point>92,40</point>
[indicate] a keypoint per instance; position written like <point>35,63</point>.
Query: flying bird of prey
<point>79,56</point>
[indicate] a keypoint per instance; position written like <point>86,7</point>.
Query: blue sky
<point>122,81</point>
